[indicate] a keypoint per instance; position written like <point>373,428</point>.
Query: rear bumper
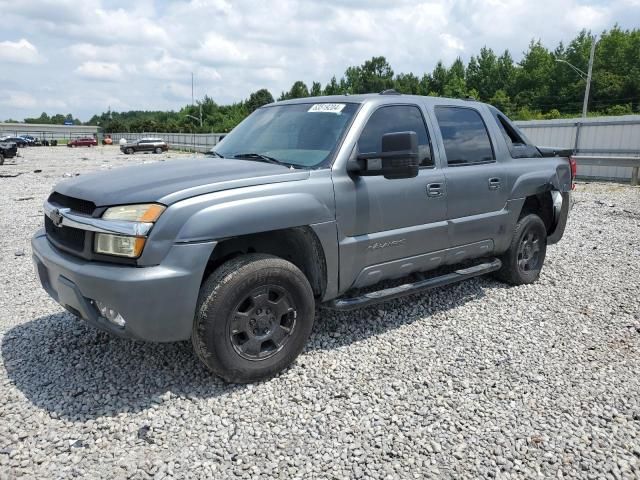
<point>158,303</point>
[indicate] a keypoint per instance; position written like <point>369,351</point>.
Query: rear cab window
<point>518,145</point>
<point>396,118</point>
<point>465,136</point>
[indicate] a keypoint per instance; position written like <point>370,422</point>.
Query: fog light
<point>110,314</point>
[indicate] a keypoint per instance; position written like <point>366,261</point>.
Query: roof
<point>376,98</point>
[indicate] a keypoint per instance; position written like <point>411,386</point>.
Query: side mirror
<point>398,158</point>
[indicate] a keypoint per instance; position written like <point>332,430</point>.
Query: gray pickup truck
<point>309,202</point>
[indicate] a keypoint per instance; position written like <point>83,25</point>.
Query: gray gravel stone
<point>476,380</point>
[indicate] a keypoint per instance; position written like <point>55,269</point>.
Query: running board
<point>412,288</point>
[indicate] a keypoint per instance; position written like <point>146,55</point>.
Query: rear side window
<point>519,146</point>
<point>465,136</point>
<point>396,118</point>
<point>510,135</point>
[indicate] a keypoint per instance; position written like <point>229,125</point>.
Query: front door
<point>386,226</point>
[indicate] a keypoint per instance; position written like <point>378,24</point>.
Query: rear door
<point>478,183</point>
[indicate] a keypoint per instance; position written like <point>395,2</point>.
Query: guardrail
<point>611,161</point>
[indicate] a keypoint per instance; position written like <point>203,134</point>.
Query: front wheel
<point>158,150</point>
<point>522,262</point>
<point>1,159</point>
<point>253,318</point>
<point>129,151</point>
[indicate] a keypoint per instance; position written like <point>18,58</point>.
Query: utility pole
<point>192,89</point>
<point>586,92</point>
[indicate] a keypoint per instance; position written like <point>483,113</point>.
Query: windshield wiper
<point>261,158</point>
<point>213,153</point>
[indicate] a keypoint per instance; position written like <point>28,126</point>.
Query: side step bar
<point>378,296</point>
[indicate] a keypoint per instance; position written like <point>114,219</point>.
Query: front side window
<point>465,136</point>
<point>301,134</point>
<point>392,119</point>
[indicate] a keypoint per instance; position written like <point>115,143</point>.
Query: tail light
<point>574,168</point>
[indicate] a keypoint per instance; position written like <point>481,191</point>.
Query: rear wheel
<point>158,150</point>
<point>128,151</point>
<point>253,318</point>
<point>522,263</point>
<point>1,159</point>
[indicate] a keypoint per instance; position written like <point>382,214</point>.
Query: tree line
<point>537,87</point>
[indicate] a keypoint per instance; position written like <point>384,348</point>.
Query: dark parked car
<point>155,145</point>
<point>7,150</point>
<point>83,142</point>
<point>19,141</point>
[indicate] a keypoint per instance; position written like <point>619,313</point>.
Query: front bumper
<point>158,303</point>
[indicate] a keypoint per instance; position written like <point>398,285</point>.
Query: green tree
<point>532,78</point>
<point>482,74</point>
<point>407,83</point>
<point>502,102</point>
<point>332,88</point>
<point>455,84</point>
<point>298,90</point>
<point>316,89</point>
<point>258,98</point>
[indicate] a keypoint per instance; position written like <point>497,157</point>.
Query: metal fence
<point>192,142</point>
<point>606,147</point>
<point>47,132</point>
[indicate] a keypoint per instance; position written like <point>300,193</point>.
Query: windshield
<point>302,135</point>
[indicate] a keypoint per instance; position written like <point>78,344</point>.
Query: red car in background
<point>83,142</point>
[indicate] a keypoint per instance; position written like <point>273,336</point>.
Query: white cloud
<point>18,100</point>
<point>21,51</point>
<point>451,42</point>
<point>141,54</point>
<point>177,91</point>
<point>100,71</point>
<point>219,50</point>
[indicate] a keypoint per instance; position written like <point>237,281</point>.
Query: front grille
<point>75,204</point>
<point>68,237</point>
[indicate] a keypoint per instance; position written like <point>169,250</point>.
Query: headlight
<point>124,245</point>
<point>145,212</point>
<point>119,245</point>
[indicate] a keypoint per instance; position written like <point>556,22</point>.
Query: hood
<point>174,180</point>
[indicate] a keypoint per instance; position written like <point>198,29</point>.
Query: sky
<point>84,56</point>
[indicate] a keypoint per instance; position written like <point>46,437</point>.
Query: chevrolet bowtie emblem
<point>56,217</point>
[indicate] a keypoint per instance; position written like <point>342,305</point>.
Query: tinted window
<point>465,136</point>
<point>396,118</point>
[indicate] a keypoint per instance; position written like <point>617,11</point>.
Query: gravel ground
<point>475,380</point>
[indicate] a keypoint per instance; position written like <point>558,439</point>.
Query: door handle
<point>435,190</point>
<point>494,183</point>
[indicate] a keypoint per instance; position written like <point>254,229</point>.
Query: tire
<point>523,261</point>
<point>158,150</point>
<point>1,159</point>
<point>128,151</point>
<point>253,318</point>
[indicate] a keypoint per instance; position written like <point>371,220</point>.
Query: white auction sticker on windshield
<point>327,107</point>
